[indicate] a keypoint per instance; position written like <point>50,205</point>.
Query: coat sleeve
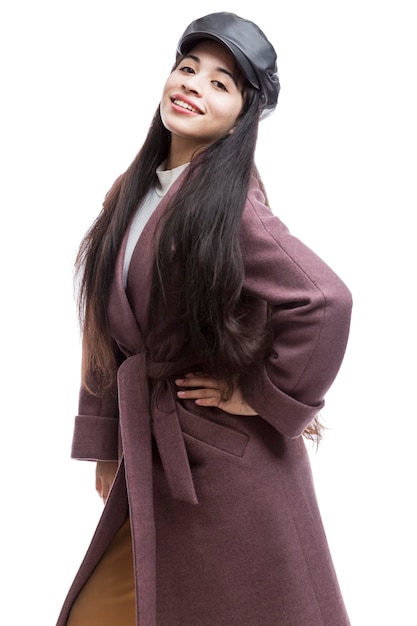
<point>310,309</point>
<point>96,428</point>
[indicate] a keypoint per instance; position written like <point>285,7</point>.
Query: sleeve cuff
<point>287,415</point>
<point>95,438</point>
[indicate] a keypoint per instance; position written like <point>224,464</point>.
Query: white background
<point>80,81</point>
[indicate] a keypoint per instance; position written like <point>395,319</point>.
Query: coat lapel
<point>141,266</point>
<point>123,325</point>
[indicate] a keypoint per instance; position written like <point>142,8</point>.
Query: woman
<point>210,337</point>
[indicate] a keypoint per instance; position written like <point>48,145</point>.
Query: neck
<point>181,152</point>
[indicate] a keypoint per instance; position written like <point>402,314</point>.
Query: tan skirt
<point>108,597</point>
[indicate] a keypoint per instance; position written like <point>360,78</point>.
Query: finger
<point>209,401</point>
<point>101,495</point>
<point>190,380</point>
<point>195,394</point>
<point>99,486</point>
<point>105,491</point>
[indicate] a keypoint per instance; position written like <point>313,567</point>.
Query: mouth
<point>186,105</point>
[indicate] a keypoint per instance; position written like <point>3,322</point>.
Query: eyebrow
<point>223,70</point>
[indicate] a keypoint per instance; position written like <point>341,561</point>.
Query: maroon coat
<point>226,528</point>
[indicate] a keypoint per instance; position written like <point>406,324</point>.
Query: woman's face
<point>201,100</point>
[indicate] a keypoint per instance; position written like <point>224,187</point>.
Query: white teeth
<point>185,105</point>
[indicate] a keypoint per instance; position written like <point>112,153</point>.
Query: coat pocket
<point>212,433</point>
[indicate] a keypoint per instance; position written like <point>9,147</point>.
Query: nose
<point>191,84</point>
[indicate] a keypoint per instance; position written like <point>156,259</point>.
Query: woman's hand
<point>208,391</point>
<point>105,473</point>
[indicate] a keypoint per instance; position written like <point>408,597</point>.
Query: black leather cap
<point>253,52</point>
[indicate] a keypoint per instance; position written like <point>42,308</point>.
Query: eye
<point>186,69</point>
<point>219,85</point>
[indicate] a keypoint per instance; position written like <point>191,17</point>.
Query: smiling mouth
<point>185,105</point>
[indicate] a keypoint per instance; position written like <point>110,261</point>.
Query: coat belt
<point>141,413</point>
<point>158,413</point>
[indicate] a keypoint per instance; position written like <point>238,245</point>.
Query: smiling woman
<point>201,101</point>
<point>211,336</point>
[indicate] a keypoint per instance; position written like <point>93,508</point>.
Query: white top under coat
<point>148,205</point>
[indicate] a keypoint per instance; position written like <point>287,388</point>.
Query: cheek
<point>235,111</point>
<point>166,87</point>
<point>232,118</point>
<point>164,97</point>
<point>170,83</point>
<point>227,111</point>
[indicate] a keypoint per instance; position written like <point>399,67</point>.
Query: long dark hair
<point>96,258</point>
<point>200,235</point>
